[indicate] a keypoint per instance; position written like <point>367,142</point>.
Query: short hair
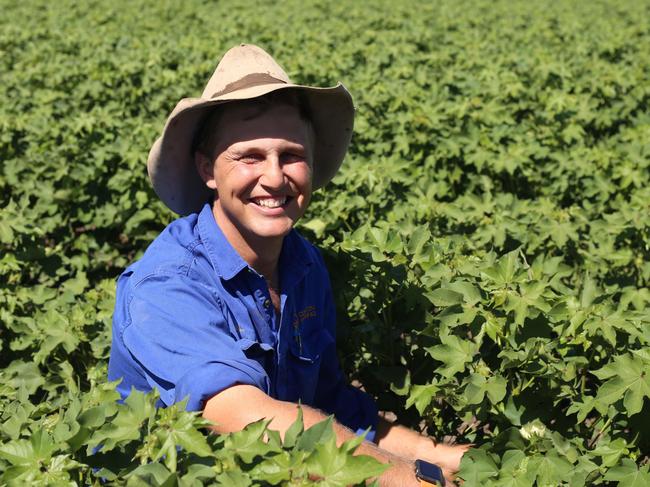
<point>206,138</point>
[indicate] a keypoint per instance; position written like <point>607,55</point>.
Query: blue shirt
<point>193,318</point>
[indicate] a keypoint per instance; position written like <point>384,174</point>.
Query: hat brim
<point>171,161</point>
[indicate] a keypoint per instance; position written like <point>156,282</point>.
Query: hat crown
<point>244,64</point>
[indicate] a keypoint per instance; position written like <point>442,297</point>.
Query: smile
<point>271,202</point>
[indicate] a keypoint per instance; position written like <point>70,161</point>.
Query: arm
<point>353,407</point>
<point>409,444</point>
<point>225,409</point>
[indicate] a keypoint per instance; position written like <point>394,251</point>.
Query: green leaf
<point>197,473</point>
<point>477,466</point>
<point>125,426</point>
<point>18,452</point>
<point>443,297</point>
<point>421,396</point>
<point>629,378</point>
<point>316,225</point>
<point>318,433</point>
<point>294,431</point>
<point>505,269</point>
<point>519,469</point>
<point>6,233</point>
<point>611,451</point>
<point>42,444</point>
<point>627,474</point>
<point>496,388</point>
<point>475,389</point>
<point>339,469</point>
<point>248,443</point>
<point>471,294</point>
<point>185,435</point>
<point>513,412</point>
<point>234,478</point>
<point>454,353</point>
<point>92,417</point>
<point>149,474</point>
<point>589,292</point>
<point>418,239</point>
<point>553,469</point>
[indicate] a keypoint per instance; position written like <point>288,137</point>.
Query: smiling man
<point>230,308</point>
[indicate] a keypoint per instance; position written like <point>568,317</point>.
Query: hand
<point>447,456</point>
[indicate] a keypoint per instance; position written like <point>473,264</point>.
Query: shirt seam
<point>191,256</point>
<point>138,283</point>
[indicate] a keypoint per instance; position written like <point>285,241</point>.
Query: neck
<point>261,253</point>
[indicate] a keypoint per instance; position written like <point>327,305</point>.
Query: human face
<point>261,173</point>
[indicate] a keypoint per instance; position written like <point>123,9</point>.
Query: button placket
<point>263,298</point>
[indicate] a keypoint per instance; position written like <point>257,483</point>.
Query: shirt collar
<point>295,257</point>
<point>225,259</point>
<point>295,260</point>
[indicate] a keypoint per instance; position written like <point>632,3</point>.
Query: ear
<point>205,168</point>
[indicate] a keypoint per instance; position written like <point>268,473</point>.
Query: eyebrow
<point>294,146</point>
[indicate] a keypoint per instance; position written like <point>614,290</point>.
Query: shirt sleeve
<point>352,407</point>
<point>179,338</point>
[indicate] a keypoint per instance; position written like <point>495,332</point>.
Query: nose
<point>273,174</point>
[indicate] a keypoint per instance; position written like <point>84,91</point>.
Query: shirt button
<point>267,303</point>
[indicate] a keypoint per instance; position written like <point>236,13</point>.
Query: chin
<point>272,231</point>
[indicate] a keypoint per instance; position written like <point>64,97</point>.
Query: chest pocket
<point>304,358</point>
<point>244,331</point>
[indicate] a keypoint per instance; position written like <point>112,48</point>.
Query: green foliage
<point>488,235</point>
<point>95,439</point>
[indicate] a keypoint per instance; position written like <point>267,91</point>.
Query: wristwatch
<point>429,474</point>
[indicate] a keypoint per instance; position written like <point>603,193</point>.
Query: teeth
<point>270,202</point>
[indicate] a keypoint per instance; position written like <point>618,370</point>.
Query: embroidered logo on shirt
<point>300,316</point>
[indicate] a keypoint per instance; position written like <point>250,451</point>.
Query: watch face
<point>429,472</point>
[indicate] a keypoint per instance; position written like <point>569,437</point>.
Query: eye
<point>250,158</point>
<point>293,156</point>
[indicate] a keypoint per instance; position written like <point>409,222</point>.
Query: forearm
<point>226,411</point>
<point>407,443</point>
<point>403,441</point>
<point>228,415</point>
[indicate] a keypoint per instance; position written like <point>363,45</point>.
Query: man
<point>229,307</point>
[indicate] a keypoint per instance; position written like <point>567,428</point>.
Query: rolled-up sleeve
<point>176,333</point>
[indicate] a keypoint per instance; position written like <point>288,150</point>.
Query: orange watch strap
<point>424,483</point>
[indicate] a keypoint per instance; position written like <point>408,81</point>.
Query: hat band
<point>248,81</point>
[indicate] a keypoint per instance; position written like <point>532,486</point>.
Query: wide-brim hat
<point>245,72</point>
